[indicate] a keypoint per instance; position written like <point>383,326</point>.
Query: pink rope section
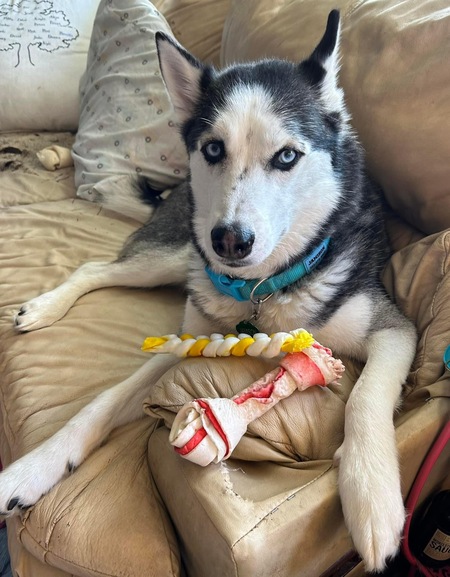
<point>413,496</point>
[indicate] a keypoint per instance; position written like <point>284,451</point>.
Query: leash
<point>414,494</point>
<point>423,474</point>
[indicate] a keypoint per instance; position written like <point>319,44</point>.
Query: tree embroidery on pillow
<point>28,23</point>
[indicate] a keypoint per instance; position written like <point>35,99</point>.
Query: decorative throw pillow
<point>43,48</point>
<point>127,123</point>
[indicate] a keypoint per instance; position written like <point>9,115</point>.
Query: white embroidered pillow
<point>43,50</point>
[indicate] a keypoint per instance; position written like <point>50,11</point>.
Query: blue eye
<point>213,151</point>
<point>285,159</point>
<point>287,156</point>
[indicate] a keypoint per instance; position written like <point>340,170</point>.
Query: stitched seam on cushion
<point>230,547</point>
<point>46,551</point>
<point>288,498</point>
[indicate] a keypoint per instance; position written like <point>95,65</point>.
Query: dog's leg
<point>369,479</point>
<point>147,270</point>
<point>155,254</point>
<point>197,324</point>
<point>33,475</point>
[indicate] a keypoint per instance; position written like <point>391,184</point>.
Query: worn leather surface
<point>48,375</point>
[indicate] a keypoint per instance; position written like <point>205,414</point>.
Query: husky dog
<point>277,203</point>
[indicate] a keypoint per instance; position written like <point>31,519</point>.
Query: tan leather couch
<point>135,508</point>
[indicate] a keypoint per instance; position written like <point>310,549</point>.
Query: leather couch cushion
<point>270,518</point>
<point>396,78</point>
<point>418,278</point>
<point>251,518</point>
<point>107,514</point>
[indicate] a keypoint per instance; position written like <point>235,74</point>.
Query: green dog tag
<point>247,328</point>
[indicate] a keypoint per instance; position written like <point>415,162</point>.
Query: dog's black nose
<point>232,241</point>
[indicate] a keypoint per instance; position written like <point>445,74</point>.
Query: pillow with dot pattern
<point>127,124</point>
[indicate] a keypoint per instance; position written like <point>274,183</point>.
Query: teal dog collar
<point>244,290</point>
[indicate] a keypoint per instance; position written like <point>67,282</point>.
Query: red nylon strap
<point>419,482</point>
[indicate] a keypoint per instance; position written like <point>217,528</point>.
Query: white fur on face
<point>282,208</point>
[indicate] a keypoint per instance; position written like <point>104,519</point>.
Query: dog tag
<point>247,328</point>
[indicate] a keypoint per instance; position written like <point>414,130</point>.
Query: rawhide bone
<point>207,430</point>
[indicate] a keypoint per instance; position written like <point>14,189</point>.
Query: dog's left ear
<point>183,75</point>
<point>322,67</point>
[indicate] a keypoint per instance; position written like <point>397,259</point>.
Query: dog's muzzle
<point>232,241</point>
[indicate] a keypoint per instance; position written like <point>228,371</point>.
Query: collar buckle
<point>226,285</point>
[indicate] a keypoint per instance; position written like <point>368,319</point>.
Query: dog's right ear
<point>182,74</point>
<point>322,67</point>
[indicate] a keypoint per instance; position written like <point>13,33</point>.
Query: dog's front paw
<point>17,492</point>
<point>372,505</point>
<point>26,480</point>
<point>40,312</point>
<point>21,487</point>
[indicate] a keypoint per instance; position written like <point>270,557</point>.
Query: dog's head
<point>265,142</point>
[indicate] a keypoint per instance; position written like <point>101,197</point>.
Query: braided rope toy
<point>207,430</point>
<point>217,345</point>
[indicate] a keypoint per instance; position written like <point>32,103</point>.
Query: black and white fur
<point>274,169</point>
